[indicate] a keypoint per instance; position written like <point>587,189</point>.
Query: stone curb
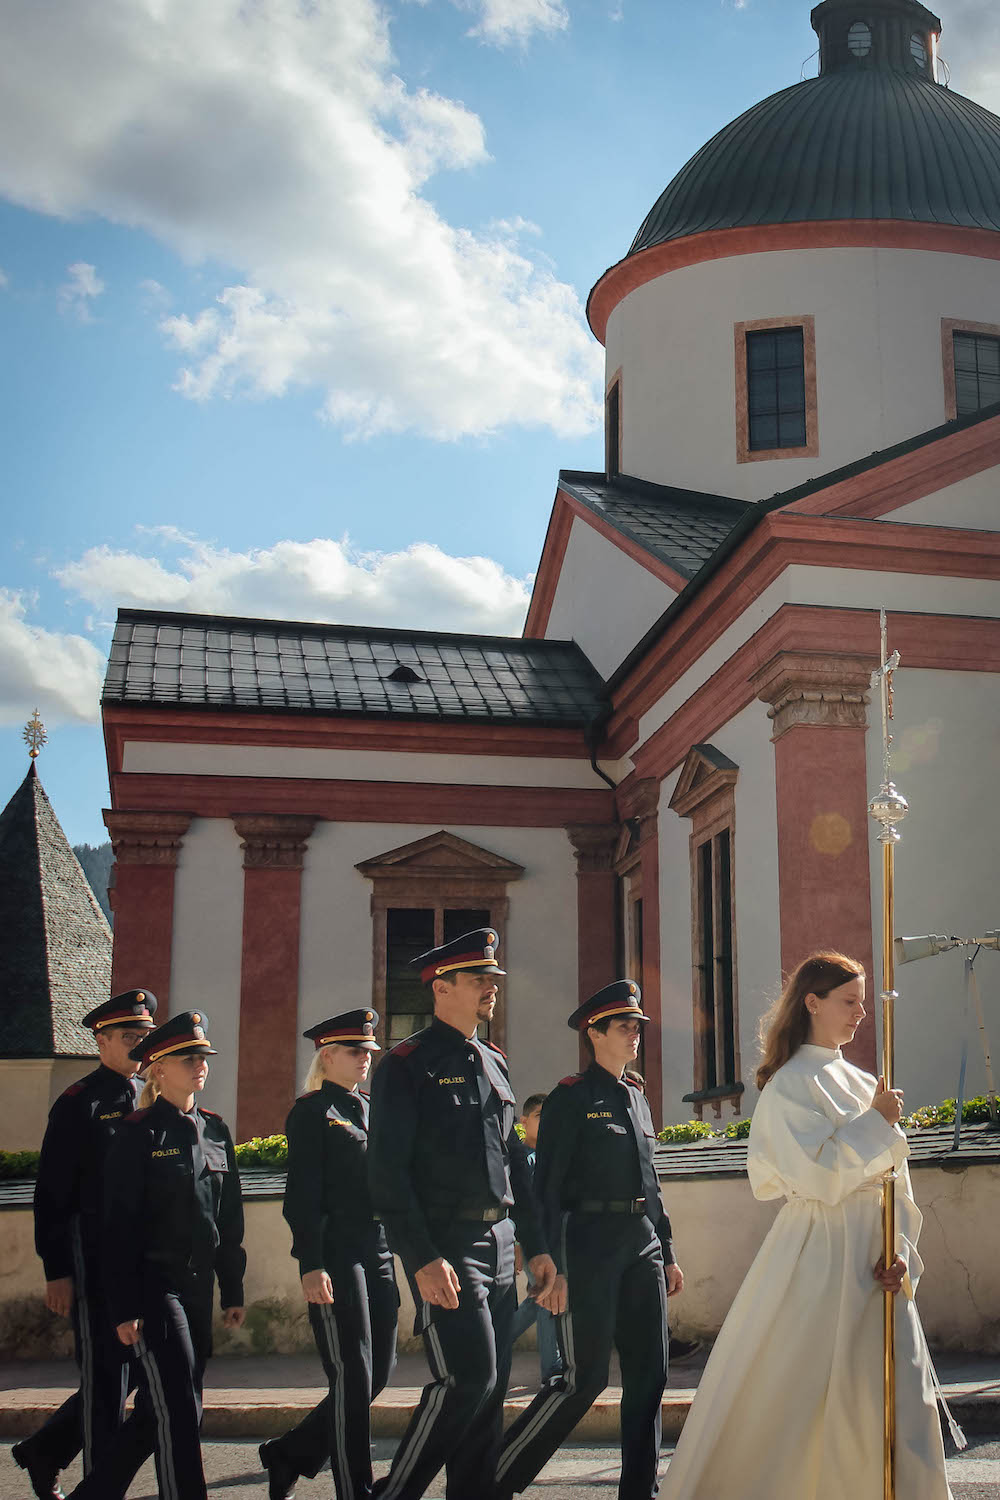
<point>236,1414</point>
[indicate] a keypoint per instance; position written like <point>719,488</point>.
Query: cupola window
<point>859,39</point>
<point>977,372</point>
<point>918,48</point>
<point>776,388</point>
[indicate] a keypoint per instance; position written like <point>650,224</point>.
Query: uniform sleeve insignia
<point>573,1078</point>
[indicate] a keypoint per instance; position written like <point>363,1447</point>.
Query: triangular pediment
<point>443,854</point>
<point>704,773</point>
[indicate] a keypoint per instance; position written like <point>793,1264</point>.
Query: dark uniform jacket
<point>172,1205</point>
<point>69,1190</point>
<point>326,1194</point>
<point>440,1103</point>
<point>595,1145</point>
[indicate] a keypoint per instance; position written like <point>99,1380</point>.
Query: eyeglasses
<point>131,1038</point>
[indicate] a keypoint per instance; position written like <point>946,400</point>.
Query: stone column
<point>818,709</point>
<point>596,917</point>
<point>146,847</point>
<point>273,850</point>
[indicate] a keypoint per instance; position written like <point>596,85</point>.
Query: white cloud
<point>78,293</point>
<point>59,674</point>
<point>323,580</point>
<point>275,139</point>
<point>504,22</point>
<point>970,44</point>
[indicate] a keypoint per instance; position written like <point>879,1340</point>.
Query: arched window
<point>859,39</point>
<point>918,48</point>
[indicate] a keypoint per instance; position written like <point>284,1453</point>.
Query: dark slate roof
<point>854,144</point>
<point>680,527</point>
<point>55,944</point>
<point>212,662</point>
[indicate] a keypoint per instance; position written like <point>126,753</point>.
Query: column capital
<point>830,690</point>
<point>146,838</point>
<point>273,841</point>
<point>594,845</point>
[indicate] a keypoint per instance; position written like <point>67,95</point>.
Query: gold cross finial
<point>34,734</point>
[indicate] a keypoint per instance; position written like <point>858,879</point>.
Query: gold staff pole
<point>888,808</point>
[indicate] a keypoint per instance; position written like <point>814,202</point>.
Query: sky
<point>292,302</point>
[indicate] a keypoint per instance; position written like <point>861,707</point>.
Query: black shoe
<point>44,1479</point>
<point>681,1350</point>
<point>281,1476</point>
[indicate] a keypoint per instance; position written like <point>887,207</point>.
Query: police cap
<point>474,952</point>
<point>352,1028</point>
<point>622,998</point>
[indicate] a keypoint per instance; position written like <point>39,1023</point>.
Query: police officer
<point>344,1262</point>
<point>68,1199</point>
<point>173,1223</point>
<point>446,1174</point>
<point>611,1238</point>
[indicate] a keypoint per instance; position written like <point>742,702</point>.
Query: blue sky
<point>292,295</point>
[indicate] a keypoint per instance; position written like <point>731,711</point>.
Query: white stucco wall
<point>947,727</point>
<point>604,600</point>
<point>541,936</point>
<point>296,763</point>
<point>207,947</point>
<point>973,503</point>
<point>746,739</point>
<point>878,357</point>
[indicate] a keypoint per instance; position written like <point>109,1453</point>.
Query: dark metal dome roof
<point>855,143</point>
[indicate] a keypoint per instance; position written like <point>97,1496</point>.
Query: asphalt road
<point>234,1473</point>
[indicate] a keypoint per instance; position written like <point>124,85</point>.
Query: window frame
<point>810,449</point>
<point>949,328</point>
<point>613,449</point>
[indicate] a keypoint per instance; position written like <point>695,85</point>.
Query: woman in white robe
<point>790,1404</point>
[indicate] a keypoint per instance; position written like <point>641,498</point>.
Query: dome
<point>873,137</point>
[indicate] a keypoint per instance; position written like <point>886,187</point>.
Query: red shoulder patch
<point>573,1078</point>
<point>74,1089</point>
<point>136,1116</point>
<point>635,1085</point>
<point>403,1049</point>
<point>494,1048</point>
<point>213,1112</point>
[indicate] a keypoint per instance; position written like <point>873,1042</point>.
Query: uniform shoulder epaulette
<point>573,1078</point>
<point>212,1113</point>
<point>403,1049</point>
<point>494,1048</point>
<point>633,1083</point>
<point>136,1116</point>
<point>72,1091</point>
<point>309,1094</point>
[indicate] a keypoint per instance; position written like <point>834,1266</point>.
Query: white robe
<point>790,1404</point>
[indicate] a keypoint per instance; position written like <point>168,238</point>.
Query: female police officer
<point>344,1261</point>
<point>611,1240</point>
<point>173,1223</point>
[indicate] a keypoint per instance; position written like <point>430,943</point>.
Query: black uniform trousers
<point>617,1297</point>
<point>90,1418</point>
<point>356,1339</point>
<point>459,1419</point>
<point>173,1349</point>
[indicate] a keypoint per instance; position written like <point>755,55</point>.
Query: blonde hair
<point>785,1026</point>
<point>150,1093</point>
<point>316,1076</point>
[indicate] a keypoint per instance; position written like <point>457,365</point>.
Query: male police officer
<point>68,1207</point>
<point>611,1238</point>
<point>446,1172</point>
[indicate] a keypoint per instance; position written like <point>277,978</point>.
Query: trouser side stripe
<point>162,1412</point>
<point>86,1347</point>
<point>431,1411</point>
<point>339,1455</point>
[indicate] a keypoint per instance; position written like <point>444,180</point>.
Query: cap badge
<point>141,997</point>
<point>196,1019</point>
<point>488,952</point>
<point>368,1029</point>
<point>369,1015</point>
<point>198,1033</point>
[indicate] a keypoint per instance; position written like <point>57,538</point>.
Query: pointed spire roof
<point>55,943</point>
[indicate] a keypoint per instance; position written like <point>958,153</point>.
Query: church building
<point>667,776</point>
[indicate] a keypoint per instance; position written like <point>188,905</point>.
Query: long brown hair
<point>785,1026</point>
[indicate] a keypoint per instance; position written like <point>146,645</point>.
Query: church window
<point>706,793</point>
<point>977,371</point>
<point>426,893</point>
<point>776,388</point>
<point>776,407</point>
<point>613,428</point>
<point>859,39</point>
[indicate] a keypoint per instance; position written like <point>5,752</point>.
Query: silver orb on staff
<point>888,808</point>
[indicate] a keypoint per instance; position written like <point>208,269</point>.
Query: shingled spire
<point>55,943</point>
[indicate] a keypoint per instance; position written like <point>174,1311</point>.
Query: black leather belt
<point>616,1206</point>
<point>469,1215</point>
